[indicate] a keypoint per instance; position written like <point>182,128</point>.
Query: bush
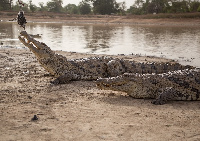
<point>84,8</point>
<point>194,6</point>
<point>198,10</point>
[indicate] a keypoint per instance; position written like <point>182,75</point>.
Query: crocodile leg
<point>63,79</point>
<point>166,95</point>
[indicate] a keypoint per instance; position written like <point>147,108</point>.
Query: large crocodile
<point>173,85</point>
<point>140,80</point>
<point>89,68</point>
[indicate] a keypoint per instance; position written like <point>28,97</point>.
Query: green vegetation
<point>54,6</point>
<point>84,8</point>
<point>5,4</point>
<point>164,6</point>
<point>71,9</point>
<point>107,7</point>
<point>166,15</point>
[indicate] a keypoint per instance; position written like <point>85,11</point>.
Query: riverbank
<point>188,19</point>
<point>80,111</point>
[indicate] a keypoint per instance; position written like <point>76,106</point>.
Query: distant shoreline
<point>159,19</point>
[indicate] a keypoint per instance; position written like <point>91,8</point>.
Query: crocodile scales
<point>104,67</point>
<point>173,85</point>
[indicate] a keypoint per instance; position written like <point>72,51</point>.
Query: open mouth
<point>30,42</point>
<point>25,38</point>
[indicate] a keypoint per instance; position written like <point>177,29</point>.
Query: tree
<point>104,6</point>
<point>139,3</point>
<point>84,7</point>
<point>145,7</point>
<point>137,8</point>
<point>5,4</point>
<point>157,6</point>
<point>134,10</point>
<point>55,6</point>
<point>42,7</point>
<point>121,8</point>
<point>164,6</point>
<point>32,7</point>
<point>180,7</point>
<point>194,6</point>
<point>17,7</point>
<point>71,9</point>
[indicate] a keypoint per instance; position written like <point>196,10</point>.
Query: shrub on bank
<point>198,9</point>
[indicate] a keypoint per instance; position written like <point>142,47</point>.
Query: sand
<point>79,111</point>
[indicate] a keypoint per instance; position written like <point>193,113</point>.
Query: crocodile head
<point>128,82</point>
<point>49,60</point>
<point>111,82</point>
<point>40,49</point>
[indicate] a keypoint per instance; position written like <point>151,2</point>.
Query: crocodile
<point>66,70</point>
<point>173,85</point>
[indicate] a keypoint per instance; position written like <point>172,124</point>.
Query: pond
<point>180,43</point>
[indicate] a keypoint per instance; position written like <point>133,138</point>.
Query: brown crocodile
<point>89,68</point>
<point>173,85</point>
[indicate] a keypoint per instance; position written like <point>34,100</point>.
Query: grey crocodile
<point>163,81</point>
<point>173,85</point>
<point>89,68</point>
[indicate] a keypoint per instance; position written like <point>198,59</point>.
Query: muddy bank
<point>79,111</point>
<point>160,19</point>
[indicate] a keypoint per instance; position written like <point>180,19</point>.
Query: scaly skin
<point>90,68</point>
<point>173,85</point>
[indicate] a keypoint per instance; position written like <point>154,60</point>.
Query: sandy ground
<point>81,112</point>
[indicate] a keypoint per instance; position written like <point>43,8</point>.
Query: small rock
<point>34,118</point>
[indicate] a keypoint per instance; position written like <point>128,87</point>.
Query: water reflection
<point>180,43</point>
<point>98,39</point>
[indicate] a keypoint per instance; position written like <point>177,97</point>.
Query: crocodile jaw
<point>112,83</point>
<point>44,54</point>
<point>41,50</point>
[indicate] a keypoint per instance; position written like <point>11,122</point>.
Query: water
<point>180,43</point>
